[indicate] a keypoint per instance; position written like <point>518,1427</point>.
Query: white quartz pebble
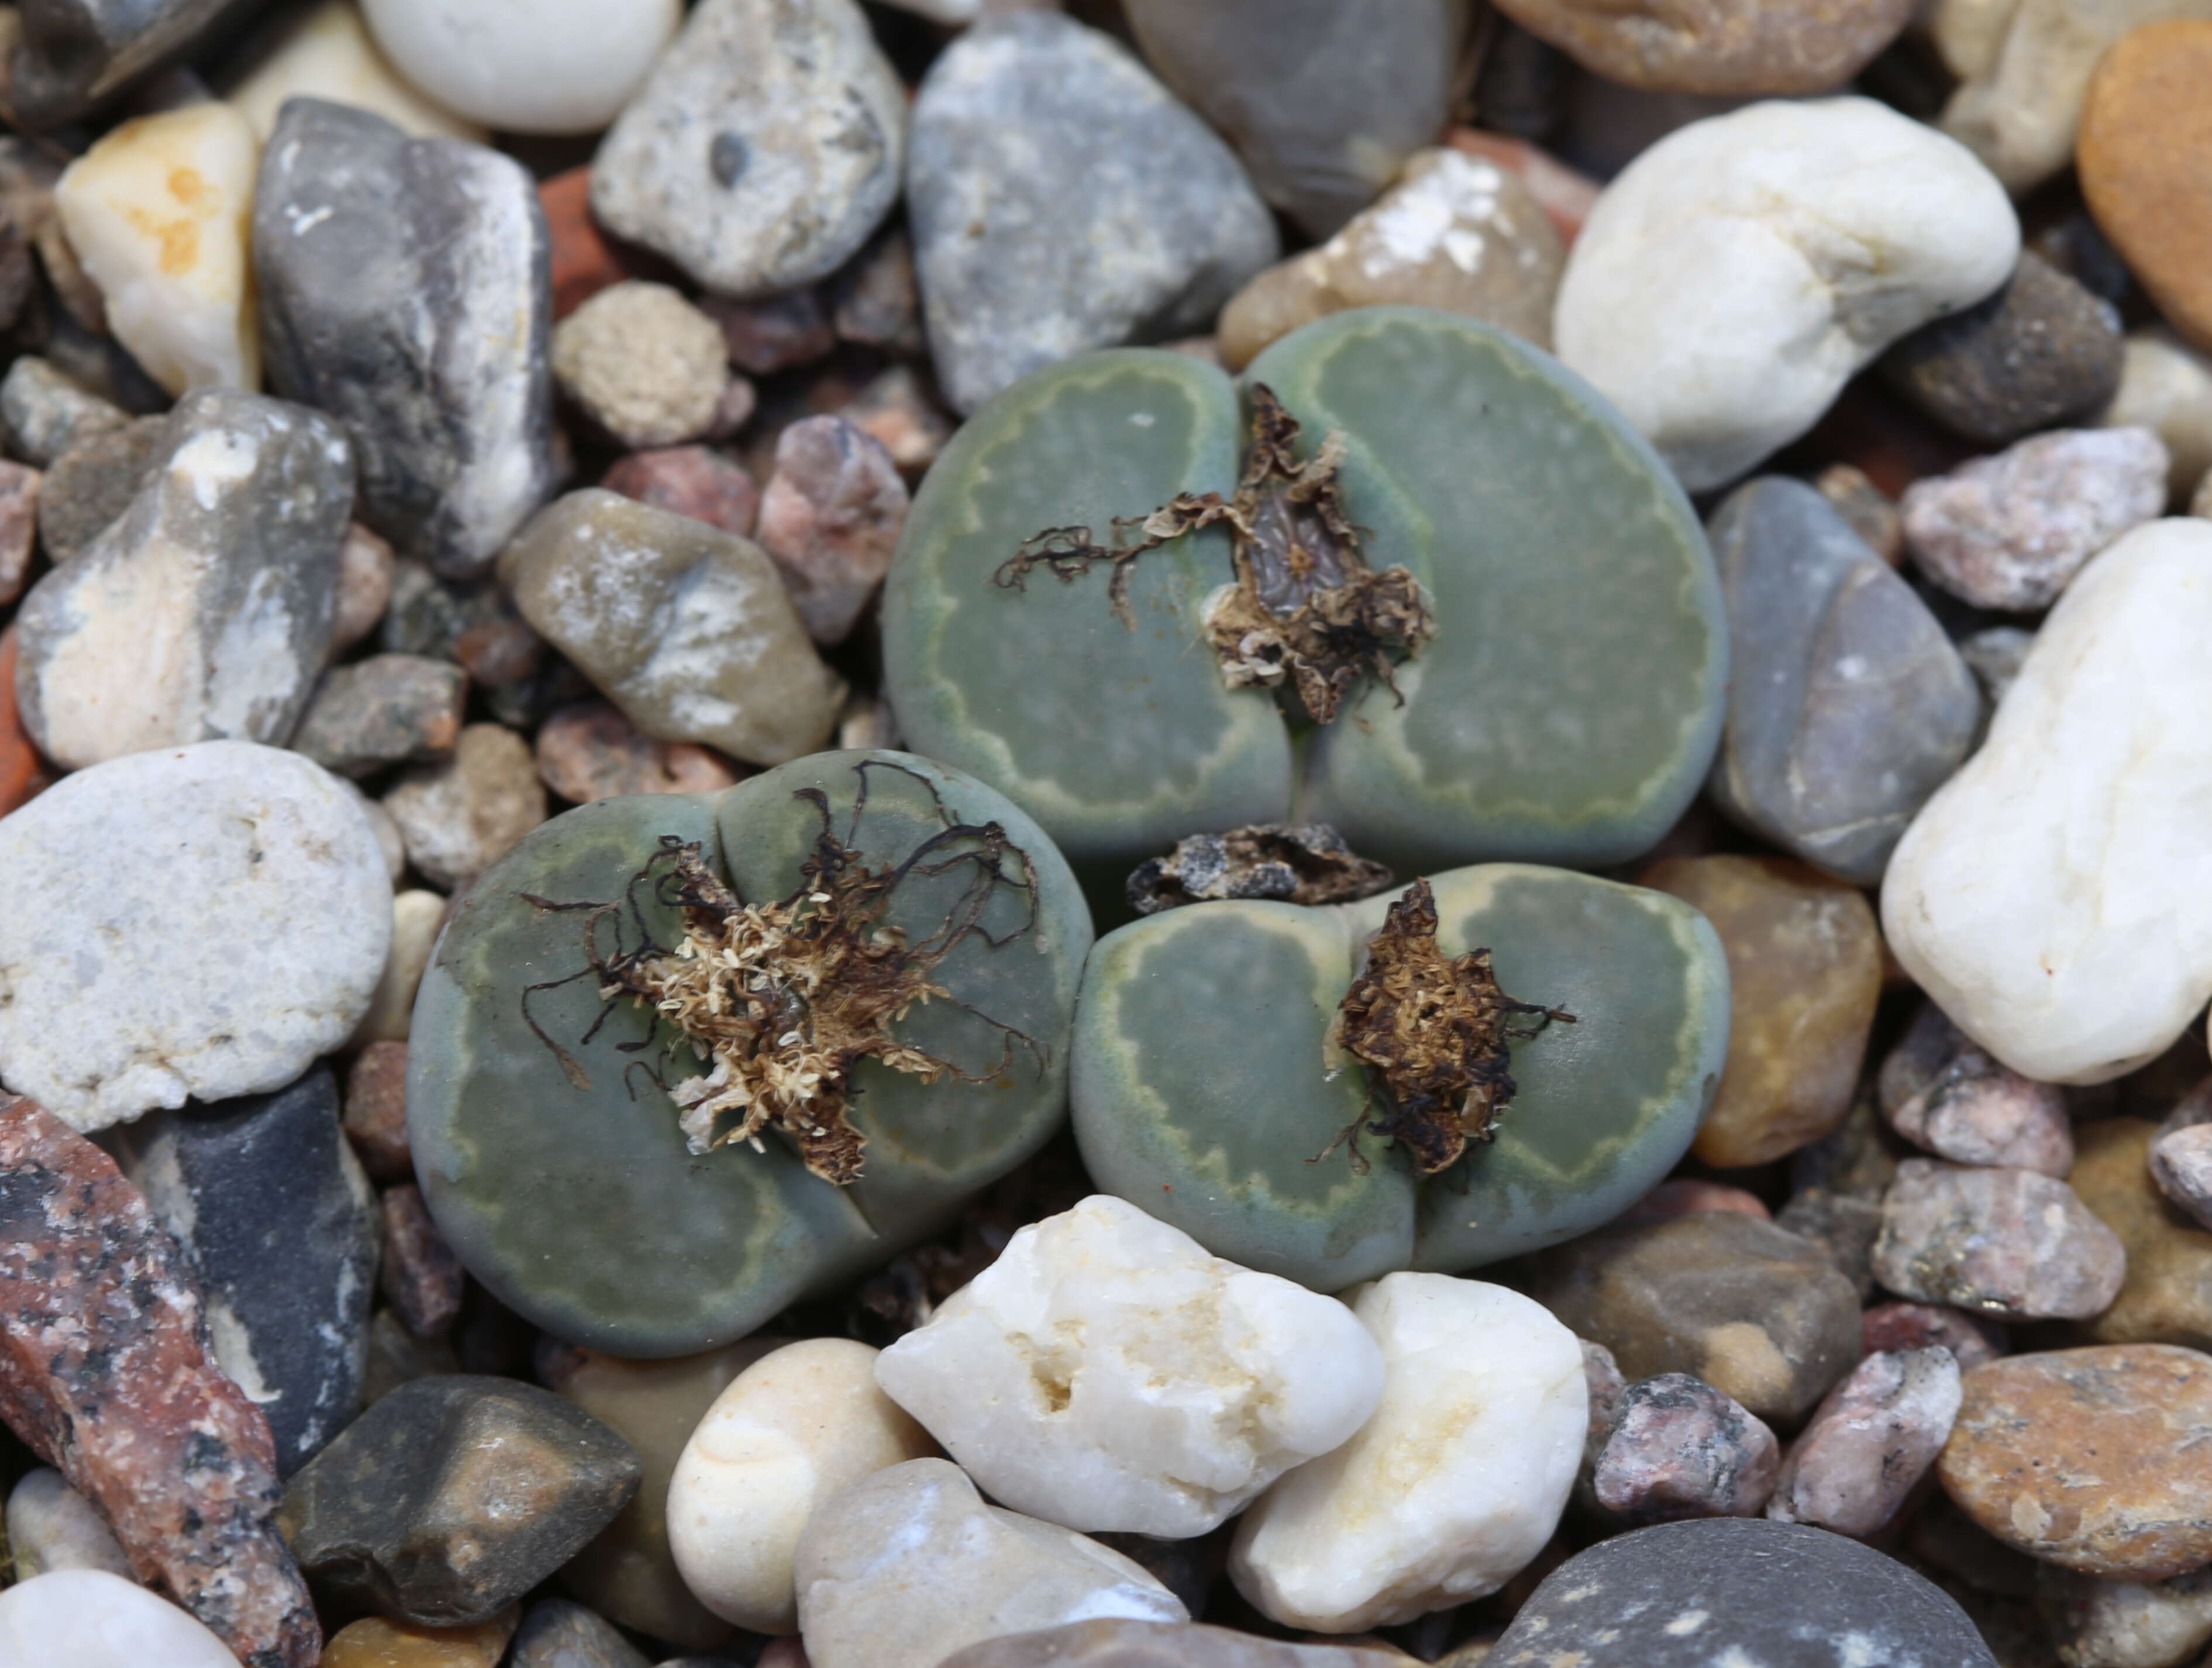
<point>1107,1373</point>
<point>326,52</point>
<point>157,212</point>
<point>527,66</point>
<point>791,1430</point>
<point>86,1618</point>
<point>1741,270</point>
<point>51,1526</point>
<point>1454,1485</point>
<point>909,1565</point>
<point>2054,897</point>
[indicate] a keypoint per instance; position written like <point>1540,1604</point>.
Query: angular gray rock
<point>44,411</point>
<point>272,1207</point>
<point>1062,200</point>
<point>2003,1242</point>
<point>1679,1448</point>
<point>1847,705</point>
<point>764,148</point>
<point>89,486</point>
<point>1322,98</point>
<point>206,612</point>
<point>406,289</point>
<point>557,1634</point>
<point>453,1496</point>
<point>1941,1092</point>
<point>72,54</point>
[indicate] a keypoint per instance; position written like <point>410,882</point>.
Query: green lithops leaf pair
<point>563,1127</point>
<point>1558,702</point>
<point>1211,1089</point>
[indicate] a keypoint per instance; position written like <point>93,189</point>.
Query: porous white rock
<point>157,213</point>
<point>909,1565</point>
<point>194,922</point>
<point>790,1431</point>
<point>2054,897</point>
<point>1740,272</point>
<point>327,52</point>
<point>1107,1373</point>
<point>86,1618</point>
<point>527,66</point>
<point>1453,1486</point>
<point>51,1526</point>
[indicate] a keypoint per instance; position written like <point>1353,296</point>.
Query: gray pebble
<point>72,54</point>
<point>44,412</point>
<point>557,1634</point>
<point>2003,1242</point>
<point>88,487</point>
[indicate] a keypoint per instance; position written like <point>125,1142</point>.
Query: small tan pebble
<point>462,815</point>
<point>376,1111</point>
<point>589,751</point>
<point>378,1642</point>
<point>1737,47</point>
<point>420,1275</point>
<point>19,527</point>
<point>366,570</point>
<point>417,916</point>
<point>2166,386</point>
<point>1872,513</point>
<point>894,409</point>
<point>2167,1297</point>
<point>643,363</point>
<point>830,516</point>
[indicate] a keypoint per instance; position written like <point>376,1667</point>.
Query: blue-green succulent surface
<point>550,1151</point>
<point>1564,712</point>
<point>1208,1088</point>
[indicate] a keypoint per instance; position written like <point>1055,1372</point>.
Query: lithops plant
<point>1478,1065</point>
<point>680,1060</point>
<point>1409,577</point>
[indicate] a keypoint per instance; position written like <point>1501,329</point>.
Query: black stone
<point>273,1208</point>
<point>74,53</point>
<point>727,157</point>
<point>2041,350</point>
<point>452,1497</point>
<point>1738,1590</point>
<point>406,289</point>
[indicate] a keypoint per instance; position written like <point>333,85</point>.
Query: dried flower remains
<point>1303,607</point>
<point>1434,1033</point>
<point>780,1001</point>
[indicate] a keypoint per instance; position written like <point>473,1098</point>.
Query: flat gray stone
<point>1062,200</point>
<point>72,54</point>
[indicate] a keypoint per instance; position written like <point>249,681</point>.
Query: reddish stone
<point>376,1111</point>
<point>584,261</point>
<point>107,1374</point>
<point>1871,1440</point>
<point>590,751</point>
<point>893,410</point>
<point>19,526</point>
<point>775,335</point>
<point>1685,1195</point>
<point>1941,1092</point>
<point>1679,1448</point>
<point>832,517</point>
<point>420,1273</point>
<point>22,772</point>
<point>1565,197</point>
<point>1970,1338</point>
<point>696,480</point>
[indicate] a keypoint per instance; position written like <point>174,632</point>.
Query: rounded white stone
<point>1740,271</point>
<point>2166,386</point>
<point>86,1618</point>
<point>157,214</point>
<point>1107,1373</point>
<point>1454,1485</point>
<point>2055,896</point>
<point>326,52</point>
<point>200,921</point>
<point>792,1430</point>
<point>527,66</point>
<point>51,1526</point>
<point>417,916</point>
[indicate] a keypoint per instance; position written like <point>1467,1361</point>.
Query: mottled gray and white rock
<point>689,629</point>
<point>1062,200</point>
<point>72,54</point>
<point>557,1634</point>
<point>206,611</point>
<point>1323,99</point>
<point>2004,1242</point>
<point>462,814</point>
<point>830,516</point>
<point>1679,1448</point>
<point>2010,531</point>
<point>907,1566</point>
<point>2181,1163</point>
<point>266,1197</point>
<point>643,363</point>
<point>1943,1092</point>
<point>20,491</point>
<point>406,289</point>
<point>386,710</point>
<point>212,950</point>
<point>1847,705</point>
<point>453,1496</point>
<point>764,147</point>
<point>44,411</point>
<point>1870,1442</point>
<point>51,1526</point>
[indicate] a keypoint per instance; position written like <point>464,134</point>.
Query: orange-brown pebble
<point>22,772</point>
<point>1804,960</point>
<point>2092,1458</point>
<point>2144,154</point>
<point>584,261</point>
<point>2168,1296</point>
<point>378,1642</point>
